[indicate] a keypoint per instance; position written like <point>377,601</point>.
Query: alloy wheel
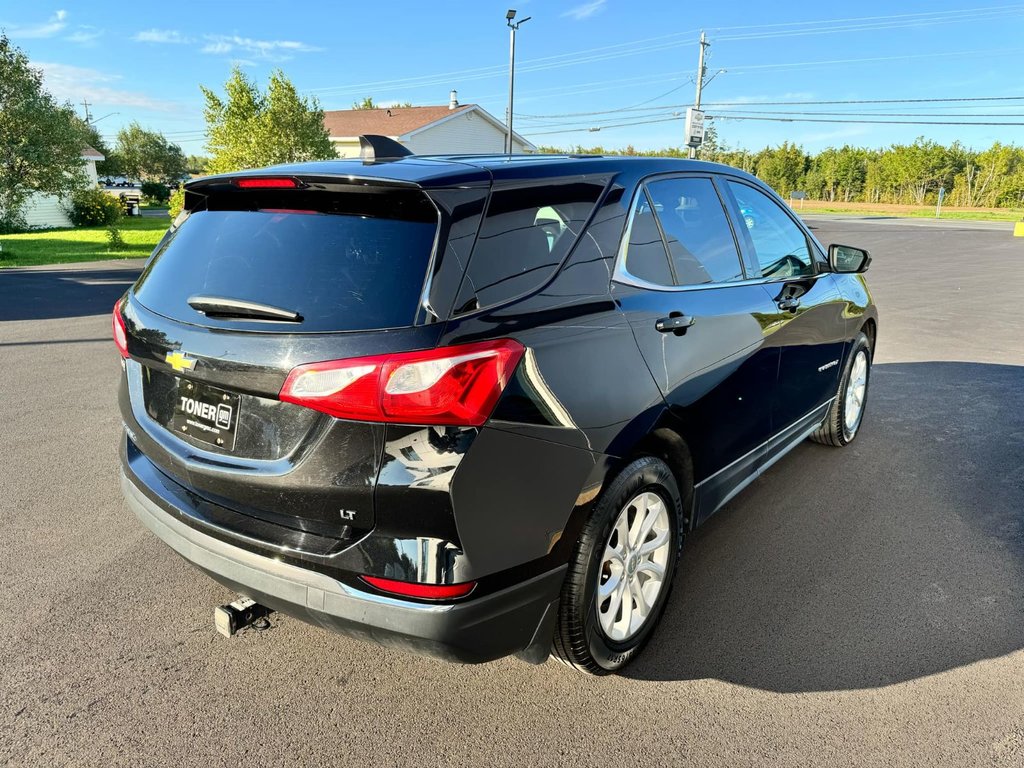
<point>856,389</point>
<point>633,568</point>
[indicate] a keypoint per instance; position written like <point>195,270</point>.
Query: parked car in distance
<point>471,406</point>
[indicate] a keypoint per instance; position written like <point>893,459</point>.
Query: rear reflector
<point>258,183</point>
<point>422,591</point>
<point>120,334</point>
<point>450,385</point>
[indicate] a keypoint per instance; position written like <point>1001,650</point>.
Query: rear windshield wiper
<point>218,306</point>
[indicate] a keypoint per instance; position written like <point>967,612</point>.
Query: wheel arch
<point>870,329</point>
<point>668,445</point>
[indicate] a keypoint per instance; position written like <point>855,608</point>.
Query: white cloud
<point>220,47</point>
<point>271,50</point>
<point>171,36</point>
<point>586,10</point>
<point>48,28</point>
<point>69,83</point>
<point>85,35</point>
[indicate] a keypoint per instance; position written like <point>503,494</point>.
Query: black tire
<point>579,640</point>
<point>834,430</point>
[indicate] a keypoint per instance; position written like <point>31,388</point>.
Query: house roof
<point>403,122</point>
<point>392,121</point>
<point>88,153</point>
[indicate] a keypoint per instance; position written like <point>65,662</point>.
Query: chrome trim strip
<point>622,276</point>
<point>809,414</point>
<point>799,438</point>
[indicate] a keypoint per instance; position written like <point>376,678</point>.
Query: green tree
<point>366,103</point>
<point>988,178</point>
<point>41,141</point>
<point>249,129</point>
<point>826,164</point>
<point>851,170</point>
<point>197,164</point>
<point>782,168</point>
<point>148,156</point>
<point>710,147</point>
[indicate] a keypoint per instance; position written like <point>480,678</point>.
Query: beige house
<point>447,129</point>
<point>46,211</point>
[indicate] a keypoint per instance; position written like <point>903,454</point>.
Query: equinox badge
<point>180,361</point>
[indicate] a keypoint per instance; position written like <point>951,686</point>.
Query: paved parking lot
<point>857,607</point>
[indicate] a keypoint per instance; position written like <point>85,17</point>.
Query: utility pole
<point>701,71</point>
<point>88,116</point>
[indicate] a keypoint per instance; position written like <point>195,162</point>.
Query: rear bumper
<point>517,619</point>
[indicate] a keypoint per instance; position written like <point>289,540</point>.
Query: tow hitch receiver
<point>230,618</point>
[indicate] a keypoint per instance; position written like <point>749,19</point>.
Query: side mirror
<point>847,259</point>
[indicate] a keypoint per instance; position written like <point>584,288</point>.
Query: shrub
<point>114,240</point>
<point>94,208</point>
<point>176,202</point>
<point>155,191</point>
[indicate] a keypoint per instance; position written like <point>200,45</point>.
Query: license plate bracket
<point>206,413</point>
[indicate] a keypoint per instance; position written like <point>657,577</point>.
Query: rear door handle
<point>675,322</point>
<point>789,302</point>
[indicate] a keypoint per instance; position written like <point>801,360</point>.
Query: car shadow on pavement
<point>897,557</point>
<point>47,294</point>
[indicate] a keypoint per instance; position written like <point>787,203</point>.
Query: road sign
<point>694,127</point>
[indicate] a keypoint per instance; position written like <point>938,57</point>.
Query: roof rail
<point>374,148</point>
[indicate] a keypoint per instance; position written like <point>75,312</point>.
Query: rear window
<point>343,261</point>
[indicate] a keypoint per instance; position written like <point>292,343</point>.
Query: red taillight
<point>450,385</point>
<point>422,591</point>
<point>269,183</point>
<point>120,334</point>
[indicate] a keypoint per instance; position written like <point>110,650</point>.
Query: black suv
<point>471,405</point>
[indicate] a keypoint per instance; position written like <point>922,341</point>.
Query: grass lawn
<point>927,212</point>
<point>64,246</point>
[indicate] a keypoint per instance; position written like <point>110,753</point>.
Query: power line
<point>726,116</point>
<point>675,40</point>
<point>863,101</point>
<point>954,17</point>
<point>852,122</point>
<point>869,18</point>
<point>873,114</point>
<point>785,103</point>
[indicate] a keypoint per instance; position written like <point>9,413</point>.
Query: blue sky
<point>145,61</point>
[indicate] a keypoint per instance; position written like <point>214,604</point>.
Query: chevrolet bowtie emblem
<point>180,361</point>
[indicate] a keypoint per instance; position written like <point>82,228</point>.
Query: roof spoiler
<point>374,148</point>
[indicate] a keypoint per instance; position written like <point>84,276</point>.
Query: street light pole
<point>512,27</point>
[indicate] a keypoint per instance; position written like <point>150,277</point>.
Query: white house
<point>48,210</point>
<point>447,129</point>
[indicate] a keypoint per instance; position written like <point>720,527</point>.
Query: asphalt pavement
<point>862,606</point>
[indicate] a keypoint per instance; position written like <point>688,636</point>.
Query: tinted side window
<point>646,256</point>
<point>526,233</point>
<point>780,245</point>
<point>700,241</point>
